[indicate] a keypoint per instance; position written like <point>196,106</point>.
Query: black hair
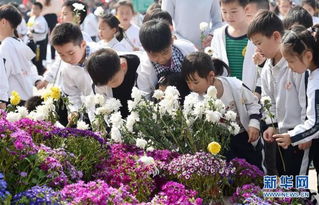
<point>66,33</point>
<point>220,67</point>
<point>311,3</point>
<point>11,14</point>
<point>155,35</point>
<point>299,39</point>
<point>82,13</point>
<point>158,14</point>
<point>297,15</point>
<point>261,4</point>
<point>265,23</point>
<point>152,7</point>
<point>33,102</point>
<point>124,3</point>
<point>242,3</point>
<point>102,65</point>
<point>113,22</point>
<point>38,4</point>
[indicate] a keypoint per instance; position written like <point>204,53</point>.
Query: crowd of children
<point>255,53</point>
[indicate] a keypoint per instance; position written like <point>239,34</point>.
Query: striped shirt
<point>236,49</point>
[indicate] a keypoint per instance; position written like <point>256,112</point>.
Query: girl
<point>198,70</point>
<point>125,12</point>
<point>310,6</point>
<point>111,34</point>
<point>300,49</point>
<point>283,7</point>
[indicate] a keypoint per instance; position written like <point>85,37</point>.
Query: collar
<point>87,53</point>
<point>281,64</point>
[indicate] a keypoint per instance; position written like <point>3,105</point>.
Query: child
<point>68,41</point>
<point>310,6</point>
<point>38,31</point>
<point>283,7</point>
<point>300,49</point>
<point>164,55</point>
<point>198,71</point>
<point>4,85</point>
<point>230,42</point>
<point>297,16</point>
<point>287,92</point>
<point>16,55</point>
<point>74,11</point>
<point>254,6</point>
<point>113,75</point>
<point>111,34</point>
<point>125,12</point>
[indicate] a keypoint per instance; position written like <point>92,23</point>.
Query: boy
<point>297,15</point>
<point>38,31</point>
<point>16,55</point>
<point>164,55</point>
<point>287,92</point>
<point>254,6</point>
<point>113,75</point>
<point>230,42</point>
<point>68,41</point>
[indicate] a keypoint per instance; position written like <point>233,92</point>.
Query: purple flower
<point>37,195</point>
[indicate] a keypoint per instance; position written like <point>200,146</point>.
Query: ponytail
<point>220,67</point>
<point>120,34</point>
<point>113,22</point>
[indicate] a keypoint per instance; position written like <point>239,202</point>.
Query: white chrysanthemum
<point>102,110</point>
<point>131,105</point>
<point>113,104</point>
<point>168,105</point>
<point>171,92</point>
<point>212,92</point>
<point>203,26</point>
<point>209,51</point>
<point>199,109</point>
<point>99,11</point>
<point>219,105</point>
<point>22,111</point>
<point>82,125</point>
<point>265,100</point>
<point>234,128</point>
<point>141,143</point>
<point>116,135</point>
<point>89,101</point>
<point>99,99</point>
<point>78,7</point>
<point>150,149</point>
<point>189,102</point>
<point>58,124</point>
<point>230,115</point>
<point>212,116</point>
<point>147,160</point>
<point>13,116</point>
<point>131,120</point>
<point>116,119</point>
<point>136,94</point>
<point>158,94</point>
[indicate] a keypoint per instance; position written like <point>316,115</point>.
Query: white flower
<point>82,125</point>
<point>102,110</point>
<point>89,101</point>
<point>116,135</point>
<point>22,111</point>
<point>116,120</point>
<point>171,92</point>
<point>136,94</point>
<point>58,124</point>
<point>147,160</point>
<point>141,143</point>
<point>212,92</point>
<point>99,99</point>
<point>265,100</point>
<point>99,11</point>
<point>209,51</point>
<point>158,94</point>
<point>219,105</point>
<point>203,26</point>
<point>130,121</point>
<point>113,104</point>
<point>234,128</point>
<point>13,116</point>
<point>212,116</point>
<point>230,115</point>
<point>131,105</point>
<point>199,109</point>
<point>78,7</point>
<point>150,149</point>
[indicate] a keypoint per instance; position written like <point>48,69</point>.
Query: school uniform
<point>115,45</point>
<point>288,95</point>
<point>19,69</point>
<point>131,38</point>
<point>238,98</point>
<point>249,72</point>
<point>4,84</point>
<point>147,74</point>
<point>123,92</point>
<point>90,26</point>
<point>22,31</point>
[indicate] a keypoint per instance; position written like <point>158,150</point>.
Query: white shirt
<point>131,38</point>
<point>22,30</point>
<point>114,44</point>
<point>315,20</point>
<point>90,25</point>
<point>4,85</point>
<point>38,28</point>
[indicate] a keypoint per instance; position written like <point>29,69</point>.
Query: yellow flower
<point>214,147</point>
<point>15,98</point>
<point>243,52</point>
<point>46,95</point>
<point>55,93</point>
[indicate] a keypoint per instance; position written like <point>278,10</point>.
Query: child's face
<point>125,15</point>
<point>5,28</point>
<point>251,11</point>
<point>197,84</point>
<point>267,46</point>
<point>284,6</point>
<point>162,57</point>
<point>105,31</point>
<point>119,76</point>
<point>233,14</point>
<point>36,11</point>
<point>66,15</point>
<point>309,9</point>
<point>295,63</point>
<point>71,53</point>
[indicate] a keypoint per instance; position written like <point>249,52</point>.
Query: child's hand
<point>72,118</point>
<point>253,134</point>
<point>42,84</point>
<point>258,58</point>
<point>207,41</point>
<point>2,106</point>
<point>268,133</point>
<point>283,140</point>
<point>305,145</point>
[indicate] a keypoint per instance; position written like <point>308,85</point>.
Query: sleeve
<point>268,91</point>
<point>40,27</point>
<point>252,106</point>
<point>34,74</point>
<point>53,70</point>
<point>299,81</point>
<point>169,6</point>
<point>258,81</point>
<point>216,17</point>
<point>4,84</point>
<point>310,128</point>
